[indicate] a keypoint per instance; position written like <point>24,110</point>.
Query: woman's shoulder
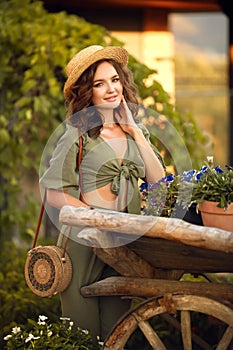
<point>143,128</point>
<point>71,134</point>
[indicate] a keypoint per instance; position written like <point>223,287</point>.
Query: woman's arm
<point>154,169</point>
<point>58,199</point>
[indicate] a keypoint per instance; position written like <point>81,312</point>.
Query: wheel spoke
<point>226,339</point>
<point>151,336</point>
<point>186,330</point>
<point>195,338</point>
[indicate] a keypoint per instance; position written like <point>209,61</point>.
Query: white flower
<point>71,325</point>
<point>50,333</point>
<point>7,337</point>
<point>30,337</point>
<point>65,318</point>
<point>43,318</point>
<point>99,342</point>
<point>85,331</point>
<point>16,330</point>
<point>210,159</point>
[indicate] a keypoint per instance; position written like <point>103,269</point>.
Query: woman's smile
<point>111,98</point>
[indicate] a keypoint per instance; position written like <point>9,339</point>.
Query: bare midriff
<point>104,198</point>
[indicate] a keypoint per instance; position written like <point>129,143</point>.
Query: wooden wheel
<point>178,312</point>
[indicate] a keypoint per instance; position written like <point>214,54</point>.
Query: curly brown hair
<point>80,98</point>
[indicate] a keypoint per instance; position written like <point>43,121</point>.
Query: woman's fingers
<point>124,117</point>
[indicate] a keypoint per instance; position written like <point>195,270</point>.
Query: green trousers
<point>97,314</point>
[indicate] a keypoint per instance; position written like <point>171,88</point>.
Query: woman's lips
<point>111,99</point>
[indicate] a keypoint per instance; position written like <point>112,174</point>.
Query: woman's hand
<point>125,119</point>
<point>153,167</point>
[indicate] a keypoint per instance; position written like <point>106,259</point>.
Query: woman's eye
<point>115,80</point>
<point>97,84</point>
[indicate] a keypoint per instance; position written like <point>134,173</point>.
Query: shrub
<point>45,335</point>
<point>18,303</point>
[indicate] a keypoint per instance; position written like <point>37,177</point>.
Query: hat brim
<point>118,54</point>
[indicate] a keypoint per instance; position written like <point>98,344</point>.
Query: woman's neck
<point>108,117</point>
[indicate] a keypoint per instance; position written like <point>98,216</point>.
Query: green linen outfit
<point>100,166</point>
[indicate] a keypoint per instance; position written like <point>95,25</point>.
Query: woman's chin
<point>109,105</point>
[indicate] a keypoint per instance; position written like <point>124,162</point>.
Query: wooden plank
<point>150,226</point>
<point>168,255</point>
<point>126,262</point>
<point>129,264</point>
<point>131,286</point>
<point>121,258</point>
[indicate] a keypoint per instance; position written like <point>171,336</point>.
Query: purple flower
<point>153,186</point>
<point>154,200</point>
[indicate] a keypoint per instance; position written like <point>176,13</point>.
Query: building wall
<point>156,50</point>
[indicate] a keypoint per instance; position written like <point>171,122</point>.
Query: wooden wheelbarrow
<point>153,255</point>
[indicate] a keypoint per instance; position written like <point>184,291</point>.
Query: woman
<point>102,106</point>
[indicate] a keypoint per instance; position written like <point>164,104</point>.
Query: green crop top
<point>100,166</point>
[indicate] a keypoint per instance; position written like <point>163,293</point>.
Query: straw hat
<point>86,57</point>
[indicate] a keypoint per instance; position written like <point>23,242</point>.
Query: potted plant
<point>209,190</point>
<point>213,195</point>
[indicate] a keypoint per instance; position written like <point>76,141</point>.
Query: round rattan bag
<point>48,270</point>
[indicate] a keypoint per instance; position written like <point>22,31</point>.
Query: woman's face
<point>107,88</point>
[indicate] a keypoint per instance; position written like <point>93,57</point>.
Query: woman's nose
<point>110,87</point>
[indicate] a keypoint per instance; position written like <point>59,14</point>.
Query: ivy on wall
<point>35,48</point>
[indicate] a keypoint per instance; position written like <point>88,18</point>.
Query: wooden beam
<point>129,264</point>
<point>170,5</point>
<point>147,288</point>
<point>150,226</point>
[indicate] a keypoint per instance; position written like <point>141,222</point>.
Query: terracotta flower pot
<point>213,216</point>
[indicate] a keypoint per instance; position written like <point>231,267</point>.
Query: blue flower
<point>188,175</point>
<point>198,176</point>
<point>218,169</point>
<point>169,178</point>
<point>204,169</point>
<point>144,186</point>
<point>189,172</point>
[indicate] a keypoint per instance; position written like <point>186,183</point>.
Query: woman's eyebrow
<point>102,79</point>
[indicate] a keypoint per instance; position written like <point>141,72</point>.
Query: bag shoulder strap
<point>79,159</point>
